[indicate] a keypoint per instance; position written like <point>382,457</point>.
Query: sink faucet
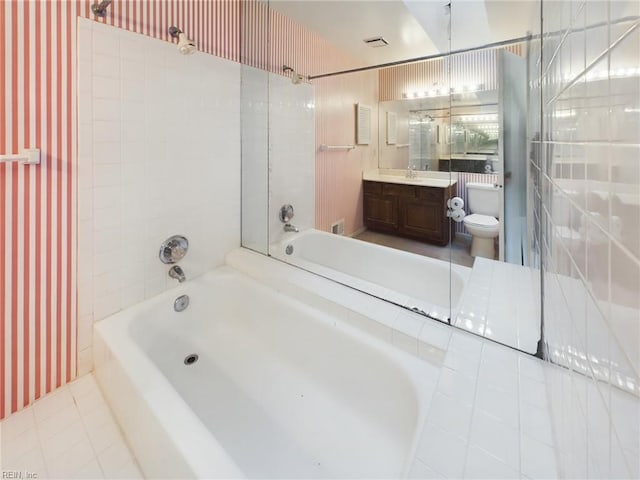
<point>411,172</point>
<point>177,273</point>
<point>290,228</point>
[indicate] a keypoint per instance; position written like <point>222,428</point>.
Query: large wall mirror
<point>431,208</point>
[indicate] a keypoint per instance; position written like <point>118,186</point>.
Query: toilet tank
<point>483,198</point>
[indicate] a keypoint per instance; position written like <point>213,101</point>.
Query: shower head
<point>296,78</point>
<point>100,9</point>
<point>185,46</point>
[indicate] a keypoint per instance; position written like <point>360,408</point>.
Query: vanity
<point>409,207</point>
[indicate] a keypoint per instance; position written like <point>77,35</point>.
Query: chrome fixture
<point>191,359</point>
<point>177,273</point>
<point>185,45</point>
<point>296,78</point>
<point>285,215</point>
<point>181,303</point>
<point>173,249</point>
<point>289,249</point>
<point>100,9</point>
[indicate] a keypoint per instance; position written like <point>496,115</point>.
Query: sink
<point>424,179</point>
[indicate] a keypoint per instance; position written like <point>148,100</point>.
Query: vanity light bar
<point>442,92</point>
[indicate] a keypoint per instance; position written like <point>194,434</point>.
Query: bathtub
<point>279,390</point>
<point>423,284</point>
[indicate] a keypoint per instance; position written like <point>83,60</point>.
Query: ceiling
<point>413,28</point>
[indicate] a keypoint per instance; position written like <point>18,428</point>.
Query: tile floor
<point>485,309</point>
<point>69,434</point>
<point>482,421</point>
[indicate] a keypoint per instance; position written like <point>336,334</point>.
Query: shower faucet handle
<point>173,249</point>
<point>286,213</point>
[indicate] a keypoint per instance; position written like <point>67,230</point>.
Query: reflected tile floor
<point>68,434</point>
<point>458,249</point>
<point>482,421</point>
<point>501,301</point>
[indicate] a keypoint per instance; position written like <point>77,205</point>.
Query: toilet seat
<point>485,222</point>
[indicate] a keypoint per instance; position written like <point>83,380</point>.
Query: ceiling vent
<point>376,42</point>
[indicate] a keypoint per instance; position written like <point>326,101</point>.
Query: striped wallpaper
<point>38,203</point>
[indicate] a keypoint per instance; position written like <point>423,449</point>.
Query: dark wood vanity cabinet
<point>409,210</point>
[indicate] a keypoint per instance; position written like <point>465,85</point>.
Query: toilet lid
<point>481,220</point>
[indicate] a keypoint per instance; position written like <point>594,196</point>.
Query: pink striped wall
<point>37,109</point>
<point>473,68</point>
<point>339,172</point>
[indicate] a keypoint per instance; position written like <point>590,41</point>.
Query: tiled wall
<point>291,153</point>
<point>158,155</point>
<point>586,174</point>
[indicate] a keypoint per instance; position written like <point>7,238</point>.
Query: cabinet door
<point>422,219</point>
<point>381,212</point>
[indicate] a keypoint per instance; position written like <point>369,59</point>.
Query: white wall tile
<point>588,299</point>
<point>160,165</point>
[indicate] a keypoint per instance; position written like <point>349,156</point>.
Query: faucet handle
<point>286,213</point>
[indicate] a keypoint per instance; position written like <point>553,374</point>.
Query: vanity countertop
<point>422,178</point>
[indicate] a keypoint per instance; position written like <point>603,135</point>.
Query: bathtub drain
<point>191,359</point>
<point>289,249</point>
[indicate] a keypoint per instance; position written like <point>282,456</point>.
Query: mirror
<point>423,200</point>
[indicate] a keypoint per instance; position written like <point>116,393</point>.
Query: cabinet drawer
<point>398,190</point>
<point>372,187</point>
<point>430,193</point>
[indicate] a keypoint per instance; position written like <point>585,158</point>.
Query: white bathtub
<point>280,390</point>
<point>413,281</point>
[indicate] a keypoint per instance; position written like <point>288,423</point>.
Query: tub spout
<point>290,228</point>
<point>177,273</point>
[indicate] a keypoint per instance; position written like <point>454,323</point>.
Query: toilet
<point>483,203</point>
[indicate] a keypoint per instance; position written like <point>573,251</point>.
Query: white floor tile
<point>499,404</point>
<point>32,461</point>
<point>462,362</point>
<point>420,471</point>
<point>496,438</point>
<point>538,460</point>
<point>531,367</point>
<point>18,423</point>
<point>59,422</point>
<point>442,451</point>
<point>91,470</point>
<point>130,471</point>
<point>457,385</point>
<point>69,462</point>
<point>69,434</point>
<point>533,392</point>
<point>450,415</point>
<point>52,404</point>
<point>482,465</point>
<point>114,459</point>
<point>536,423</point>
<point>14,448</point>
